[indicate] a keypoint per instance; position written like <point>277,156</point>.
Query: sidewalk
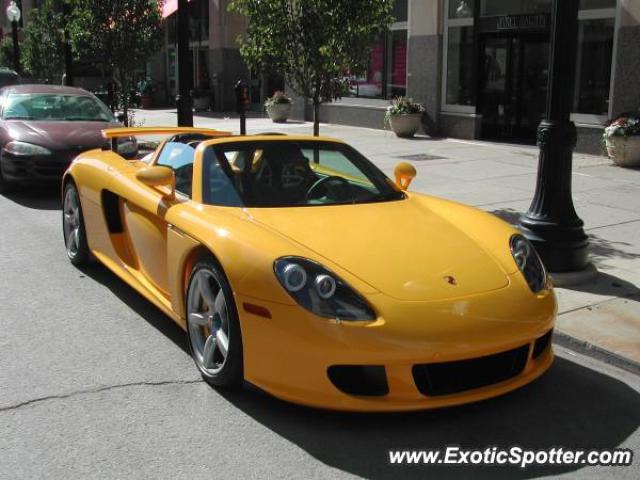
<point>602,315</point>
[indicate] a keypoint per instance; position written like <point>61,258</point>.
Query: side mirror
<point>405,173</point>
<point>158,177</point>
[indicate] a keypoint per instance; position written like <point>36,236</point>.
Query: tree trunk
<point>316,117</point>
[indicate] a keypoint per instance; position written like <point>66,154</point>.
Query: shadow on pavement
<point>571,406</point>
<point>156,318</point>
<point>601,248</point>
<point>37,198</point>
<point>605,284</point>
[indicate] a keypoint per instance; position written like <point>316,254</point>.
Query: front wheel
<point>213,328</point>
<point>75,235</point>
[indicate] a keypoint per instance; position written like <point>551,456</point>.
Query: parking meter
<point>243,103</point>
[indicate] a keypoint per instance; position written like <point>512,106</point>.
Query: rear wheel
<point>213,328</point>
<point>75,237</point>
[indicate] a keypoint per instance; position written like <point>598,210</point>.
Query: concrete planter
<point>279,112</point>
<point>405,125</point>
<point>201,103</point>
<point>624,151</point>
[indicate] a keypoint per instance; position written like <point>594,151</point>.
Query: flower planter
<point>405,125</point>
<point>201,103</point>
<point>624,151</point>
<point>147,101</point>
<point>279,112</point>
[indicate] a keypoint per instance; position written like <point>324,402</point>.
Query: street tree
<point>43,44</point>
<point>315,44</point>
<point>6,52</point>
<point>119,34</point>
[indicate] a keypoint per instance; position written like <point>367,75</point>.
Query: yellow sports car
<point>294,263</point>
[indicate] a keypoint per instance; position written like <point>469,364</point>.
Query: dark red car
<point>44,127</point>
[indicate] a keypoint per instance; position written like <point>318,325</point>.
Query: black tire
<point>231,373</point>
<point>80,255</point>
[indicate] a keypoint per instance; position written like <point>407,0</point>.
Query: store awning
<point>170,6</point>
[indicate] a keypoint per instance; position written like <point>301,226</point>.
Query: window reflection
<point>460,52</point>
<point>593,70</point>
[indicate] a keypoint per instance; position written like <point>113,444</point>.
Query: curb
<point>594,351</point>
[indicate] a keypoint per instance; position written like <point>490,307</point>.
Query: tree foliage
<point>314,44</point>
<point>6,52</point>
<point>43,45</point>
<point>119,34</point>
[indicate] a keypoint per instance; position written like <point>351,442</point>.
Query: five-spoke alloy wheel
<point>213,328</point>
<point>75,238</point>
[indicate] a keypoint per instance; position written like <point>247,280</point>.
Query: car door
<point>145,216</point>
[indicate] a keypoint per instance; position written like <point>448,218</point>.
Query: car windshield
<point>55,107</point>
<point>287,173</point>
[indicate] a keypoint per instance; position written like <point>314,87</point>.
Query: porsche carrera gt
<point>294,263</point>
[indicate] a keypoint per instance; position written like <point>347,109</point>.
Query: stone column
<point>424,57</point>
<point>227,66</point>
<point>625,93</point>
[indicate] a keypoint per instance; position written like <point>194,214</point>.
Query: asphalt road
<point>96,383</point>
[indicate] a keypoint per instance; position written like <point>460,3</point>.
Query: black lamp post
<point>551,223</point>
<point>183,99</point>
<point>13,15</point>
<point>68,57</point>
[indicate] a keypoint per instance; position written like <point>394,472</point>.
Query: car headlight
<point>529,263</point>
<point>127,146</point>
<point>26,149</point>
<point>320,291</point>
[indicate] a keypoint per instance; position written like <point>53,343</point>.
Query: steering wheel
<point>322,181</point>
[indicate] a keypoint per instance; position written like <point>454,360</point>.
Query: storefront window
<point>593,70</point>
<point>369,85</point>
<point>460,52</point>
<point>489,8</point>
<point>597,4</point>
<point>199,20</point>
<point>397,64</point>
<point>461,8</point>
<point>386,75</point>
<point>400,11</point>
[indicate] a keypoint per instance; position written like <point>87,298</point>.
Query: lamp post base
<point>185,110</point>
<point>562,248</point>
<point>552,224</point>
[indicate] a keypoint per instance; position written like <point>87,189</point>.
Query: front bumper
<point>36,169</point>
<point>291,354</point>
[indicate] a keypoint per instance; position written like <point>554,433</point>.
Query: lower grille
<point>541,344</point>
<point>434,379</point>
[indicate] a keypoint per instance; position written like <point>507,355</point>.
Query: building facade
<point>480,67</point>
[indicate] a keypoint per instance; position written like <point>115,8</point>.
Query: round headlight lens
<point>521,249</point>
<point>325,286</point>
<point>529,263</point>
<point>320,291</point>
<point>295,277</point>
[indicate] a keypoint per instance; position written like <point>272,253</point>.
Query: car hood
<point>400,248</point>
<point>59,135</point>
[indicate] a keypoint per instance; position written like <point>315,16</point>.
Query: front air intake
<point>360,380</point>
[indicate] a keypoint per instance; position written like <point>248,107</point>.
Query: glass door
<point>513,86</point>
<point>495,88</point>
<point>530,78</point>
